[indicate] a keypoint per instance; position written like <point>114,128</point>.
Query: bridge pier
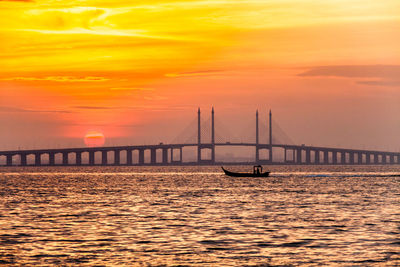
<point>91,158</point>
<point>285,155</point>
<point>351,158</point>
<point>367,158</point>
<point>270,156</point>
<point>117,157</point>
<point>153,156</point>
<point>64,158</point>
<point>298,156</point>
<point>9,160</point>
<point>129,161</point>
<point>78,158</point>
<point>141,156</point>
<point>180,155</point>
<point>257,155</point>
<point>316,156</point>
<point>391,159</point>
<point>104,158</point>
<point>326,157</point>
<point>376,158</point>
<point>23,159</point>
<point>286,158</point>
<point>51,159</point>
<point>293,155</point>
<point>360,158</point>
<point>384,158</point>
<point>37,159</point>
<point>165,155</point>
<point>334,157</point>
<point>198,154</point>
<point>308,156</point>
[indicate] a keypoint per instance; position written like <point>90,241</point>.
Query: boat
<point>257,172</point>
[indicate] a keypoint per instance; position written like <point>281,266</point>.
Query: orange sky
<point>138,70</point>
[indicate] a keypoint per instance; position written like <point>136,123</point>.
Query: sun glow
<point>94,139</point>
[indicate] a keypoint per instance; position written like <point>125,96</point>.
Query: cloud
<point>194,73</point>
<point>93,107</point>
<point>23,110</point>
<point>58,79</point>
<point>361,71</point>
<point>131,89</point>
<point>377,75</point>
<point>381,83</point>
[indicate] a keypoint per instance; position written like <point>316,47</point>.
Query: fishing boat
<point>257,172</point>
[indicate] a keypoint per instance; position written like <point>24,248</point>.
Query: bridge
<point>173,154</point>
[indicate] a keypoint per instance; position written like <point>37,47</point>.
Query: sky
<point>137,71</point>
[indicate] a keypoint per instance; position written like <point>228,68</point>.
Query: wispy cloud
<point>131,89</point>
<point>58,79</point>
<point>194,73</point>
<point>360,71</point>
<point>16,1</point>
<point>377,75</point>
<point>381,83</point>
<point>94,31</point>
<point>8,109</point>
<point>138,107</point>
<point>94,107</point>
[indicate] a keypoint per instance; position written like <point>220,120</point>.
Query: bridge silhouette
<point>271,152</point>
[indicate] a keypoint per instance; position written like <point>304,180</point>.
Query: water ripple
<point>195,216</point>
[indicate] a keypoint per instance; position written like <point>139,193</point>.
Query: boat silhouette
<point>257,172</point>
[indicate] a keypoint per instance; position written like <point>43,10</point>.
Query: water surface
<point>340,216</point>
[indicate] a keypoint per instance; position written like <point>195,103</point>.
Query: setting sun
<point>94,138</point>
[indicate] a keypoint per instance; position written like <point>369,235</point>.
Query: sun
<point>94,138</point>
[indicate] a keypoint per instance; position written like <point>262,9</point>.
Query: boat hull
<point>241,174</point>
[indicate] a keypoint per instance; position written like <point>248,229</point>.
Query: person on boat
<point>257,169</point>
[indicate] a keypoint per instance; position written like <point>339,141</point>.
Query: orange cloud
<point>194,73</point>
<point>122,62</point>
<point>58,79</point>
<point>131,89</point>
<point>388,74</point>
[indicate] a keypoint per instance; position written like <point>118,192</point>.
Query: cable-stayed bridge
<point>197,145</point>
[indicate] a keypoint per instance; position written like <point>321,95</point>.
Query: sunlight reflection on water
<point>197,216</point>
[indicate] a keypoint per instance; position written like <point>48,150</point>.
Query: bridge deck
<point>298,155</point>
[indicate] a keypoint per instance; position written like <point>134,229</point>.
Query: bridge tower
<point>257,139</point>
<point>198,136</point>
<point>270,136</point>
<point>212,136</point>
<point>210,145</point>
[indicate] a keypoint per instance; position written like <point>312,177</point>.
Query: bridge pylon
<point>198,136</point>
<point>257,140</point>
<point>212,136</point>
<point>270,136</point>
<point>201,145</point>
<point>134,155</point>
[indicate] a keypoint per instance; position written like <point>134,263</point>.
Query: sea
<point>197,216</point>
